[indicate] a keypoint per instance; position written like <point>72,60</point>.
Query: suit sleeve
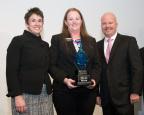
<point>57,73</point>
<point>142,54</point>
<point>135,66</point>
<point>13,67</point>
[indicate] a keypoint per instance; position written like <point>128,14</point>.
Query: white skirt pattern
<point>36,104</point>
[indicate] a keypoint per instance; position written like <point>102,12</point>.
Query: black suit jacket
<point>142,56</point>
<point>63,60</point>
<point>28,64</point>
<point>123,74</point>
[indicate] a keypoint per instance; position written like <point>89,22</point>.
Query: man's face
<point>108,24</point>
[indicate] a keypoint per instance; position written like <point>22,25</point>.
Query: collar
<point>113,37</point>
<point>31,35</point>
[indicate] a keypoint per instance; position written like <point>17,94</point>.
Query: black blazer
<point>62,60</point>
<point>123,73</point>
<point>27,65</point>
<point>142,56</point>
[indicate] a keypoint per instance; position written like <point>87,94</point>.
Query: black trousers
<point>111,109</point>
<point>74,103</point>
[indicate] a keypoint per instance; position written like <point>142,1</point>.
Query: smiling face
<point>73,22</point>
<point>35,24</point>
<point>109,24</point>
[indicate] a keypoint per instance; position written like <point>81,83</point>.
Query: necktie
<point>108,50</point>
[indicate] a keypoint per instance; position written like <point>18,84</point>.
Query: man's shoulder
<point>100,42</point>
<point>142,49</point>
<point>125,36</point>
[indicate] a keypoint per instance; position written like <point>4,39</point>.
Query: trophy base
<point>83,83</point>
<point>83,78</point>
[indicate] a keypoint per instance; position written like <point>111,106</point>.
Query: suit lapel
<point>115,46</point>
<point>71,47</point>
<point>71,51</point>
<point>84,46</point>
<point>102,47</point>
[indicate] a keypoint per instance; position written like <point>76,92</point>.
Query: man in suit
<point>121,77</point>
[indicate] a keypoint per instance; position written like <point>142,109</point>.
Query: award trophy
<point>83,78</point>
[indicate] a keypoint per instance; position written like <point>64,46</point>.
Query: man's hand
<point>134,98</point>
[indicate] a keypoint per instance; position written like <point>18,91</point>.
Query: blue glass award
<point>81,59</point>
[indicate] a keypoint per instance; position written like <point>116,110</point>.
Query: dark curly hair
<point>31,11</point>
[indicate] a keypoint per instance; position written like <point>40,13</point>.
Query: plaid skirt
<point>36,104</point>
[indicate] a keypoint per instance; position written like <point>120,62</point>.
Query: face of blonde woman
<point>73,21</point>
<point>108,24</point>
<point>35,24</point>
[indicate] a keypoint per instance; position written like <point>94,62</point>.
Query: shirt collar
<point>113,37</point>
